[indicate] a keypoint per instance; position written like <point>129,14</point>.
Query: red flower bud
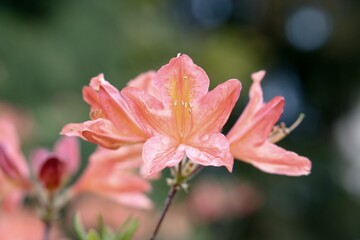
<point>51,173</point>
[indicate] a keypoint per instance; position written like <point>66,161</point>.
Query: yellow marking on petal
<point>180,94</point>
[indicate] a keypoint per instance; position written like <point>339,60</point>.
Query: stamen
<point>280,131</point>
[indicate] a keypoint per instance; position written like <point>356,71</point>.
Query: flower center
<point>181,106</point>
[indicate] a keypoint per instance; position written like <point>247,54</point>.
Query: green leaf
<point>127,230</point>
<point>93,235</point>
<point>105,232</point>
<point>78,228</point>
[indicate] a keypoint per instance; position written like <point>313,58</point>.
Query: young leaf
<point>78,228</point>
<point>127,230</point>
<point>93,235</point>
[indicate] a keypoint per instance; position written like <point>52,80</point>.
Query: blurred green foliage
<point>126,230</point>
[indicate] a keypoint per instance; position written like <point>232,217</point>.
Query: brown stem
<point>47,228</point>
<point>173,190</point>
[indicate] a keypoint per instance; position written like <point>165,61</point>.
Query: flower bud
<point>52,173</point>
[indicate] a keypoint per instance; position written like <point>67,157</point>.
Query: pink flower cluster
<point>162,119</point>
<point>52,171</point>
<point>173,116</point>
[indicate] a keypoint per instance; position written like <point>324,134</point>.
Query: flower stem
<point>47,228</point>
<point>173,190</point>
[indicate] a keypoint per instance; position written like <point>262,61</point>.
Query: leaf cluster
<point>125,231</point>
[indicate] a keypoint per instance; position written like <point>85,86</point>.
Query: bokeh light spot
<point>211,13</point>
<point>308,28</point>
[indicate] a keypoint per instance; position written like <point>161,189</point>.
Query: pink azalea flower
<point>186,120</point>
<point>252,137</point>
<point>112,124</point>
<point>111,173</point>
<point>53,169</point>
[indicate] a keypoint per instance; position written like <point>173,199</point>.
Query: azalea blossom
<point>54,169</point>
<point>112,124</point>
<point>186,120</point>
<point>112,174</point>
<point>253,137</point>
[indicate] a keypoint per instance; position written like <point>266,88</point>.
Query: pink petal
<point>8,165</point>
<point>257,126</point>
<point>91,97</point>
<point>68,150</point>
<point>148,111</point>
<point>114,179</point>
<point>118,112</point>
<point>146,82</point>
<point>12,160</point>
<point>181,76</point>
<point>101,131</point>
<point>12,200</point>
<point>273,159</point>
<point>213,110</point>
<point>131,154</point>
<point>211,150</point>
<point>160,152</point>
<point>8,133</point>
<point>38,157</point>
<point>135,200</point>
<point>255,103</point>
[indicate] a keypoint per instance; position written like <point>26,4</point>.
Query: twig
<point>47,228</point>
<point>173,190</point>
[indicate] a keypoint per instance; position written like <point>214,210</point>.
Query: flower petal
<point>258,130</point>
<point>100,131</point>
<point>213,110</point>
<point>181,81</point>
<point>114,179</point>
<point>160,152</point>
<point>129,155</point>
<point>8,166</point>
<point>38,157</point>
<point>273,159</point>
<point>118,112</point>
<point>149,111</point>
<point>68,150</point>
<point>12,161</point>
<point>146,82</point>
<point>132,199</point>
<point>8,133</point>
<point>211,150</point>
<point>256,102</point>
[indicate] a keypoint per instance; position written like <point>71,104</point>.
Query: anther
<point>280,131</point>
